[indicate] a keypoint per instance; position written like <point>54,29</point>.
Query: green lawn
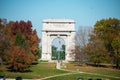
<point>89,72</point>
<point>36,71</point>
<point>90,69</point>
<point>82,75</point>
<point>45,69</point>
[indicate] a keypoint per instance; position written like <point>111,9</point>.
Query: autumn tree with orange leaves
<point>4,42</point>
<point>23,45</point>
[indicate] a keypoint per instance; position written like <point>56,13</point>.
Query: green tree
<point>62,52</point>
<point>96,50</point>
<point>54,52</point>
<point>109,30</point>
<point>20,41</point>
<point>39,52</point>
<point>116,48</point>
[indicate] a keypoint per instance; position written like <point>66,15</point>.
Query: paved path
<point>58,75</point>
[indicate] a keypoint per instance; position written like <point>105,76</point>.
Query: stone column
<point>44,46</point>
<point>67,47</point>
<point>72,45</point>
<point>48,49</point>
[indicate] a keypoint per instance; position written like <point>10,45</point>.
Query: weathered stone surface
<point>58,28</point>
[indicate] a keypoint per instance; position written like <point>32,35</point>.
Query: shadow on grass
<point>104,65</point>
<point>26,71</point>
<point>35,62</point>
<point>95,65</point>
<point>10,69</point>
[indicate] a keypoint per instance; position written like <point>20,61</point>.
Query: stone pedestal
<point>58,65</point>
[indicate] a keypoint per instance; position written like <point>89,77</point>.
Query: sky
<point>84,12</point>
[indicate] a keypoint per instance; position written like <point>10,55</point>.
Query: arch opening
<point>58,49</point>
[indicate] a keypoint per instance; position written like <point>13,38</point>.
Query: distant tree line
<point>100,44</point>
<point>61,53</point>
<point>19,45</point>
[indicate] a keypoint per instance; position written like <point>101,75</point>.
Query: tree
<point>109,30</point>
<point>96,50</point>
<point>39,52</point>
<point>23,44</point>
<point>62,52</point>
<point>78,55</point>
<point>34,43</point>
<point>116,48</point>
<point>82,35</point>
<point>81,40</point>
<point>20,41</point>
<point>4,43</point>
<point>54,52</point>
<point>19,59</point>
<point>16,30</point>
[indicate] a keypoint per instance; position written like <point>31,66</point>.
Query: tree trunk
<point>117,63</point>
<point>1,61</point>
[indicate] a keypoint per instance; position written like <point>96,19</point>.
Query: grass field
<point>43,70</point>
<point>81,75</point>
<point>91,69</point>
<point>36,71</point>
<point>89,72</point>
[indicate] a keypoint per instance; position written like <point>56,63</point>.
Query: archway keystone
<point>58,28</point>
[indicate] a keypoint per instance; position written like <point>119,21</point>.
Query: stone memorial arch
<point>58,28</point>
